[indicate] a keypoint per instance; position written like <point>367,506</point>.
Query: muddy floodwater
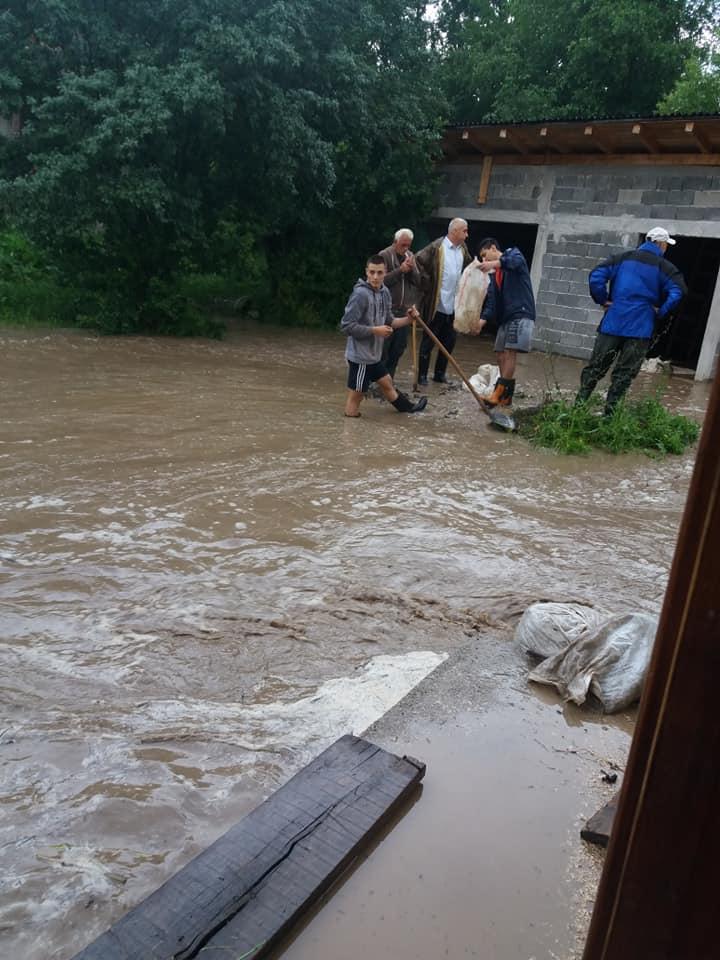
<point>207,574</point>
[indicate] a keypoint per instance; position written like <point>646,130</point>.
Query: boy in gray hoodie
<point>367,321</point>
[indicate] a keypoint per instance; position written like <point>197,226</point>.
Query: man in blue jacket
<point>635,289</point>
<point>511,303</point>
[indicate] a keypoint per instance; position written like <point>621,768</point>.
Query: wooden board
<point>597,829</point>
<point>238,897</point>
<point>658,892</point>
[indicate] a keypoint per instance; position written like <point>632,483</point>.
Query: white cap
<point>659,235</point>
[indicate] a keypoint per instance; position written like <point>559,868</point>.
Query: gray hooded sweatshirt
<point>366,308</point>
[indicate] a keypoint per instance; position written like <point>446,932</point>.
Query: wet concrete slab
<point>489,861</point>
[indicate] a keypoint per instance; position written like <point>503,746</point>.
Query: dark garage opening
<point>680,339</point>
<point>521,235</point>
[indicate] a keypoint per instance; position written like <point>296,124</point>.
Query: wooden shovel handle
<point>415,355</point>
<point>451,360</point>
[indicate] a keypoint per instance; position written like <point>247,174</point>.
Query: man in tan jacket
<point>405,285</point>
<point>441,264</point>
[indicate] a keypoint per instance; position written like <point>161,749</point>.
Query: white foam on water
<point>109,663</point>
<point>99,536</point>
<point>39,502</point>
<point>341,705</point>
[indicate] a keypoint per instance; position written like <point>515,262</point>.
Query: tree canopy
<point>698,88</point>
<point>157,134</point>
<point>539,59</point>
<point>277,142</point>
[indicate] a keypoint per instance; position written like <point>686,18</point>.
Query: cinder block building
<point>570,194</point>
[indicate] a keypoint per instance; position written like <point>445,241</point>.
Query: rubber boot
<point>403,404</point>
<point>501,389</point>
<point>507,398</point>
<point>583,395</point>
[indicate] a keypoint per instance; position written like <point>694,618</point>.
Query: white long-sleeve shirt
<point>452,269</point>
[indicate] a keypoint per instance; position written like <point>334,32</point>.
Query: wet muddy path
<point>207,574</point>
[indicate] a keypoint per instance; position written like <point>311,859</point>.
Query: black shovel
<point>499,419</point>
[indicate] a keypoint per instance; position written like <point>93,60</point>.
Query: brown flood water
<point>207,574</point>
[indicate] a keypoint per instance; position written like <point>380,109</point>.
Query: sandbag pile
<point>587,650</point>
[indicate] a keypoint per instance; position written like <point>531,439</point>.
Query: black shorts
<point>361,375</point>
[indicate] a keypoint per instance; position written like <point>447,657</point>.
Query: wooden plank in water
<point>238,897</point>
<point>597,829</point>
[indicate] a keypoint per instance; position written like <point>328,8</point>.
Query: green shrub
<point>31,291</point>
<point>642,425</point>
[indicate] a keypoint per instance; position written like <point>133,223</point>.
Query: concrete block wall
<point>567,317</point>
<point>659,193</point>
<point>634,198</point>
<point>510,188</point>
<point>583,215</point>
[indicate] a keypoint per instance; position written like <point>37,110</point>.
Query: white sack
<point>484,380</point>
<point>654,365</point>
<point>470,298</point>
<point>609,660</point>
<point>549,628</point>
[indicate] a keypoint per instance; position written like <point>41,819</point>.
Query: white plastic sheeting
<point>589,651</point>
<point>470,298</point>
<point>484,380</point>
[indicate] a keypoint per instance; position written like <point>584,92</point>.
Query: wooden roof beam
<point>470,136</point>
<point>485,180</point>
<point>513,140</point>
<point>597,140</point>
<point>699,137</point>
<point>633,159</point>
<point>548,144</point>
<point>646,138</point>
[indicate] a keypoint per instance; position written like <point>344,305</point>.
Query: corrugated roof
<point>681,138</point>
<point>600,119</point>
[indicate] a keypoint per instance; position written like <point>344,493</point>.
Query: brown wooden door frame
<point>658,894</point>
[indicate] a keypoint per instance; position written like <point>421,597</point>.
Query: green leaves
<point>155,130</point>
<point>146,125</point>
<point>698,88</point>
<point>540,59</point>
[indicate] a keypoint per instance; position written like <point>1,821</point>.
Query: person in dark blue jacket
<point>635,289</point>
<point>511,303</point>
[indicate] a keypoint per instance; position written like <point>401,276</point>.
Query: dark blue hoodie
<point>514,298</point>
<point>642,287</point>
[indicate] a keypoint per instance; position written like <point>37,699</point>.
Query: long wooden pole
<point>451,359</point>
<point>415,355</point>
<point>658,895</point>
<point>497,417</point>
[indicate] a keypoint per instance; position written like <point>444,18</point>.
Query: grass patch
<point>641,426</point>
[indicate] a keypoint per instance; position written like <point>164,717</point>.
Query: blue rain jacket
<point>642,286</point>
